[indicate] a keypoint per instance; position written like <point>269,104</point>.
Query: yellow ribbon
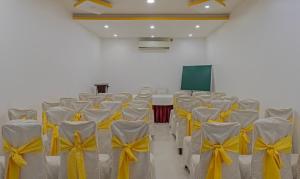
<point>219,155</point>
<point>23,117</point>
<point>244,139</point>
<point>188,117</point>
<point>235,106</point>
<point>78,116</point>
<point>196,125</point>
<point>16,160</point>
<point>96,106</point>
<point>44,122</point>
<point>75,161</point>
<point>225,115</point>
<point>127,153</point>
<point>54,144</point>
<point>272,160</point>
<point>106,123</point>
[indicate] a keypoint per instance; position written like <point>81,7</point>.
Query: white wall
<point>44,55</point>
<point>127,68</point>
<point>256,54</point>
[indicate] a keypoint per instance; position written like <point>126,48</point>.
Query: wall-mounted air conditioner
<point>156,43</point>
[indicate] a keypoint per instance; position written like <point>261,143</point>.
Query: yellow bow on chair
<point>106,123</point>
<point>196,125</point>
<point>44,122</point>
<point>196,2</point>
<point>75,161</point>
<point>96,106</point>
<point>219,155</point>
<point>188,117</point>
<point>54,143</point>
<point>127,153</point>
<point>272,160</point>
<point>244,139</point>
<point>235,106</point>
<point>78,116</point>
<point>16,160</point>
<point>225,115</point>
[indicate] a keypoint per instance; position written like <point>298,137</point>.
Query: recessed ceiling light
<point>207,6</point>
<point>150,1</point>
<point>152,36</point>
<point>115,35</point>
<point>190,35</point>
<point>152,27</point>
<point>197,26</point>
<point>106,26</point>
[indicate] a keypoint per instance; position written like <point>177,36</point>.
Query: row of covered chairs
<point>78,157</point>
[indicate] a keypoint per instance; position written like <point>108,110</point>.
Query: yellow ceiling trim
<point>197,2</point>
<point>149,17</point>
<point>99,2</point>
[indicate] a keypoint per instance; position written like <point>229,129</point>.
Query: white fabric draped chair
<point>102,118</point>
<point>192,144</point>
<point>14,114</point>
<point>287,114</point>
<point>48,105</point>
<point>135,114</point>
<point>55,116</point>
<point>67,102</point>
<point>85,96</point>
<point>132,137</point>
<point>124,99</point>
<point>271,132</point>
<point>249,104</point>
<point>129,95</point>
<point>79,107</point>
<point>25,137</point>
<point>246,120</point>
<point>139,104</point>
<point>95,101</point>
<point>182,115</point>
<point>113,106</point>
<point>224,106</point>
<point>214,135</point>
<point>78,134</point>
<point>173,121</point>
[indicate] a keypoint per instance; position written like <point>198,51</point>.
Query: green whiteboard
<point>196,78</point>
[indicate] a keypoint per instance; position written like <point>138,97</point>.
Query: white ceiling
<point>125,28</point>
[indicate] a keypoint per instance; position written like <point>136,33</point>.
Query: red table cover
<point>162,113</point>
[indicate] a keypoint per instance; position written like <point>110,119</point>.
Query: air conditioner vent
<point>155,43</point>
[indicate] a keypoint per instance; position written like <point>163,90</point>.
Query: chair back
<point>85,96</point>
<point>271,131</point>
<point>86,131</point>
<point>101,117</point>
<point>14,114</point>
<point>129,132</point>
<point>47,105</point>
<point>214,134</point>
<point>249,104</point>
<point>287,114</point>
<point>67,102</point>
<point>17,134</point>
<point>138,104</point>
<point>95,101</point>
<point>223,105</point>
<point>113,106</point>
<point>135,114</point>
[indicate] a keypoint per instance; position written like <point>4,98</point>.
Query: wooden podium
<point>102,87</point>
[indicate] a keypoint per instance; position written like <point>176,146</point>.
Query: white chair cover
<point>139,104</point>
<point>223,105</point>
<point>192,144</point>
<point>181,124</point>
<point>249,104</point>
<point>14,114</point>
<point>201,93</point>
<point>134,114</point>
<point>19,132</point>
<point>67,102</point>
<point>127,132</point>
<point>120,97</point>
<point>95,101</point>
<point>91,158</point>
<point>56,116</point>
<point>147,98</point>
<point>286,114</point>
<point>233,99</point>
<point>47,105</point>
<point>271,130</point>
<point>108,96</point>
<point>129,95</point>
<point>103,135</point>
<point>79,106</point>
<point>85,96</point>
<point>245,118</point>
<point>218,133</point>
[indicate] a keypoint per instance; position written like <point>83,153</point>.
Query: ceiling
<point>182,22</point>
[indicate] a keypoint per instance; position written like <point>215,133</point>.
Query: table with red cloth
<point>162,106</point>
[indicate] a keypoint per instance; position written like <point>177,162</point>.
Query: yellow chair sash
<point>196,125</point>
<point>272,160</point>
<point>225,115</point>
<point>16,160</point>
<point>235,106</point>
<point>106,123</point>
<point>44,121</point>
<point>188,117</point>
<point>75,161</point>
<point>96,106</point>
<point>78,116</point>
<point>244,139</point>
<point>219,155</point>
<point>54,143</point>
<point>127,153</point>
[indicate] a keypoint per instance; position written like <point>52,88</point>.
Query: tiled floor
<point>168,164</point>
